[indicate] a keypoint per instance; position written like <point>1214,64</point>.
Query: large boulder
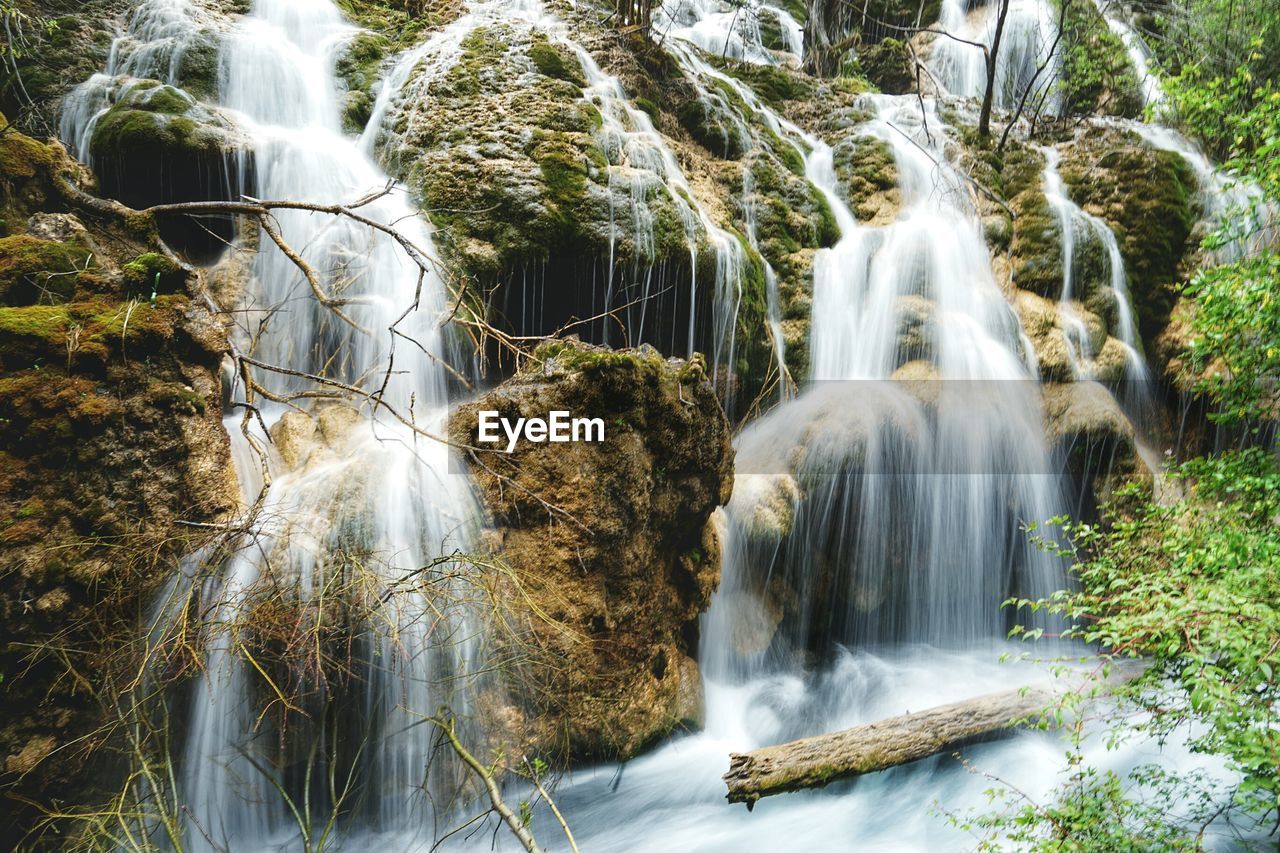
<point>112,445</point>
<point>609,541</point>
<point>158,145</point>
<point>1147,197</point>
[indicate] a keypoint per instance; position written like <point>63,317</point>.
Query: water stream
<point>876,522</point>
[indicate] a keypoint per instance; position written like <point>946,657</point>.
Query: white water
<point>1026,64</point>
<point>1139,54</point>
<point>1225,200</point>
<point>1077,227</point>
<point>372,488</point>
<point>641,163</point>
<point>159,34</point>
<point>912,497</point>
<point>732,31</point>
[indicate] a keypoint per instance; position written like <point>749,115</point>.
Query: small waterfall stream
<point>361,493</point>
<point>959,65</point>
<point>875,525</point>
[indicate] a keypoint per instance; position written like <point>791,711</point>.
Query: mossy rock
<point>40,271</point>
<point>359,66</point>
<point>712,129</point>
<point>197,66</point>
<point>152,272</point>
<point>1097,75</point>
<point>86,334</point>
<point>555,61</point>
<point>1147,197</point>
<point>869,177</point>
<point>888,65</point>
<point>771,34</point>
<point>402,22</point>
<point>774,84</point>
<point>1036,248</point>
<point>157,145</point>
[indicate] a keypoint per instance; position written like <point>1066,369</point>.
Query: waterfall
<point>733,31</point>
<point>876,522</point>
<point>1025,65</point>
<point>363,497</point>
<point>1139,54</point>
<point>641,163</point>
<point>1078,227</point>
<point>160,35</point>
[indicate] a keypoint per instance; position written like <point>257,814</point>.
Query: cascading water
<point>876,512</point>
<point>368,491</point>
<point>1139,53</point>
<point>731,31</point>
<point>1027,64</point>
<point>1078,228</point>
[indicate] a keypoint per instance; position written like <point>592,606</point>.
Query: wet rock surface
<point>110,439</point>
<point>609,540</point>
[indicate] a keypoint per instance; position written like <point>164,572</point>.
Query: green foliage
<point>1096,73</point>
<point>1237,337</point>
<point>1092,811</point>
<point>1236,324</point>
<point>1195,589</point>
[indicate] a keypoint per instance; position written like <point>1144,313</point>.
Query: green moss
<point>482,51</point>
<point>711,130</point>
<point>198,67</point>
<point>89,332</point>
<point>775,84</point>
<point>867,169</point>
<point>888,65</point>
<point>176,397</point>
<point>150,273</point>
<point>1147,198</point>
<point>797,9</point>
<point>771,36</point>
<point>21,156</point>
<point>573,356</point>
<point>359,66</point>
<point>393,19</point>
<point>648,107</point>
<point>555,61</point>
<point>1037,244</point>
<point>1096,72</point>
<point>34,270</point>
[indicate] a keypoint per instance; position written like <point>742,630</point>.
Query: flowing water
<point>368,491</point>
<point>1027,63</point>
<point>875,524</point>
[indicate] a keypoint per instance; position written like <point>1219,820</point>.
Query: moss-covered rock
<point>775,84</point>
<point>1146,196</point>
<point>507,161</point>
<point>34,270</point>
<point>889,66</point>
<point>617,592</point>
<point>868,177</point>
<point>152,272</point>
<point>1036,249</point>
<point>110,438</point>
<point>157,145</point>
<point>1096,73</point>
<point>359,65</point>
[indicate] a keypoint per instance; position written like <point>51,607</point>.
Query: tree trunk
<point>815,761</point>
<point>988,95</point>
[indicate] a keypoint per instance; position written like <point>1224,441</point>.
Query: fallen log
<point>816,761</point>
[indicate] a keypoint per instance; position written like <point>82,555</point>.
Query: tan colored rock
<point>35,751</point>
<point>610,542</point>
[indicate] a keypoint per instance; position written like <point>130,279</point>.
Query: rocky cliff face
<point>612,541</point>
<point>110,442</point>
